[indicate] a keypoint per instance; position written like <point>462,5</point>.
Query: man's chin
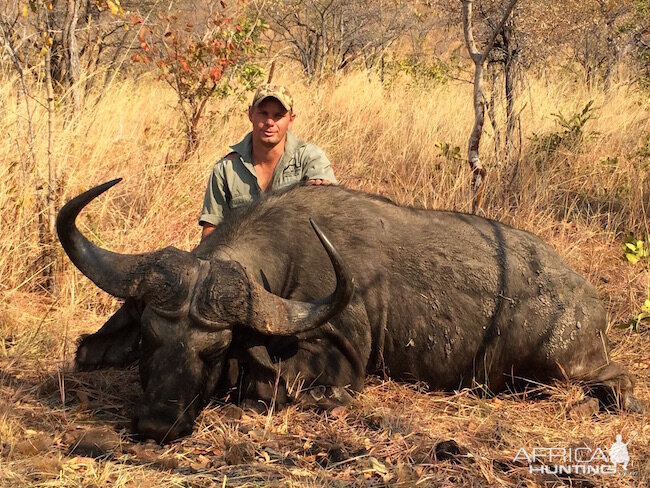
<point>269,141</point>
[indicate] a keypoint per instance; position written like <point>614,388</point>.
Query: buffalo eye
<point>212,345</point>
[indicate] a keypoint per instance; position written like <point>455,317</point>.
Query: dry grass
<point>384,141</point>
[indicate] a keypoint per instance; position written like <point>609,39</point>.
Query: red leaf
<point>215,73</point>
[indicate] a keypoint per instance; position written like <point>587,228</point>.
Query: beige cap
<point>278,92</point>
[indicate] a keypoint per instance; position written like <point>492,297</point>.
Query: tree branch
<point>495,32</point>
<point>467,30</point>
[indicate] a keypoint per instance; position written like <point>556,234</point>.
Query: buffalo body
<point>447,298</point>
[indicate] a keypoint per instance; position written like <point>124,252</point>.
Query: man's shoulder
<point>302,149</point>
<point>226,162</point>
<point>309,151</point>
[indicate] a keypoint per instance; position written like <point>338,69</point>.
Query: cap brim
<point>287,107</point>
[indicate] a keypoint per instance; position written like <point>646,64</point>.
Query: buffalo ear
<point>271,314</point>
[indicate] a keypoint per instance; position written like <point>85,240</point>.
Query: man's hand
<point>318,182</point>
<point>207,230</point>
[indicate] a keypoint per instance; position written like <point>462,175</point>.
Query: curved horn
<point>276,315</point>
<point>116,274</point>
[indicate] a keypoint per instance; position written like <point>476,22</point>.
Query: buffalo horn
<point>276,315</point>
<point>117,274</point>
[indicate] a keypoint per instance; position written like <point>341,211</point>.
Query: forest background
<point>155,92</point>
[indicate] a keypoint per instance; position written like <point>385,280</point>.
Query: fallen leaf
<point>301,472</point>
<point>339,412</point>
<point>378,466</point>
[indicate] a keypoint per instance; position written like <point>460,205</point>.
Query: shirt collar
<point>245,148</point>
<point>292,143</point>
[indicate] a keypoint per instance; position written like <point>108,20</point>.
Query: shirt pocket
<point>292,171</point>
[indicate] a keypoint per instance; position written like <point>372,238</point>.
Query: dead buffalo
<point>442,297</point>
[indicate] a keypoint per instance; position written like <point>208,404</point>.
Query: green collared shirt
<point>233,182</point>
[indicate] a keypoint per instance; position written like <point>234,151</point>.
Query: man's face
<point>270,121</point>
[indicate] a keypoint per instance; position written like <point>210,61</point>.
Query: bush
<point>198,62</point>
<point>419,73</point>
<point>571,134</point>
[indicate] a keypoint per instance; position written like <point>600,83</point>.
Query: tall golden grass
<point>582,199</point>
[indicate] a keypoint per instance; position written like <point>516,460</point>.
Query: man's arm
<point>318,169</point>
<point>215,202</point>
<point>318,182</point>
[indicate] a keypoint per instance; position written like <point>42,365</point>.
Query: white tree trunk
<point>478,171</point>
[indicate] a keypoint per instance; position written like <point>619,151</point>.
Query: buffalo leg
<point>117,343</point>
<point>608,381</point>
<point>316,368</point>
<point>613,385</point>
<point>314,375</point>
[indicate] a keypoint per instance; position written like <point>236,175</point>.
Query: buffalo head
<point>191,307</point>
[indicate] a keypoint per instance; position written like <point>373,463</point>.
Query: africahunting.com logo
<point>577,460</point>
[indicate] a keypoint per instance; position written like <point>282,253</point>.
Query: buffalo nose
<point>160,425</point>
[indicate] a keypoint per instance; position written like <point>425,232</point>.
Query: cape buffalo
<point>442,297</point>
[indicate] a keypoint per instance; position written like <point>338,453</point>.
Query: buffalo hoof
<point>325,398</point>
<point>98,351</point>
<point>585,408</point>
<point>255,406</point>
<point>632,404</point>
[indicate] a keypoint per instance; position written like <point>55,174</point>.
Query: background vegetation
<point>566,148</point>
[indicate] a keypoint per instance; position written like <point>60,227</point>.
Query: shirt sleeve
<point>215,203</point>
<point>316,165</point>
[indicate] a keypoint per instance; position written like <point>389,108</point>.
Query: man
<point>270,157</point>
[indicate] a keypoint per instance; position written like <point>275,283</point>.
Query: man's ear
<point>292,117</point>
<point>250,113</point>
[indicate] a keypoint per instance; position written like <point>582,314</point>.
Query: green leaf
<point>625,325</point>
<point>646,306</point>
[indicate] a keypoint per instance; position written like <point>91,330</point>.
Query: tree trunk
<point>71,52</point>
<point>47,200</point>
<point>478,172</point>
<point>612,52</point>
<point>491,109</point>
<point>510,67</point>
<point>382,62</point>
<point>473,157</point>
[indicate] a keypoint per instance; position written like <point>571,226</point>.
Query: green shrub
<point>636,249</point>
<point>642,317</point>
<point>419,73</point>
<point>571,133</point>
